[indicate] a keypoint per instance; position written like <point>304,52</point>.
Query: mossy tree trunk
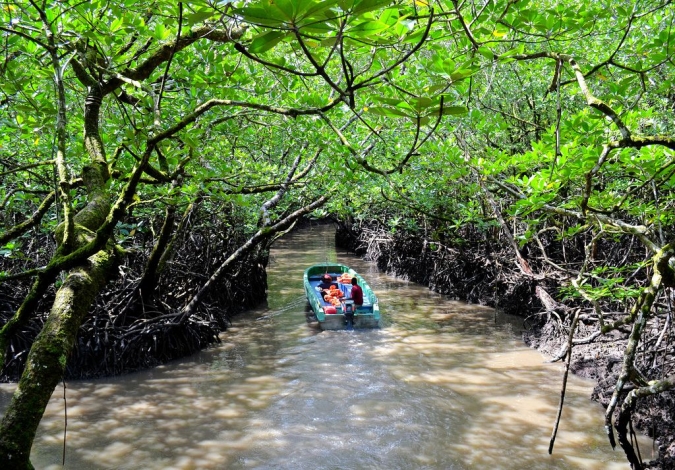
<point>48,356</point>
<point>47,359</point>
<point>85,252</point>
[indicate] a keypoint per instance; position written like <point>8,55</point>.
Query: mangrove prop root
<point>570,341</point>
<point>121,333</point>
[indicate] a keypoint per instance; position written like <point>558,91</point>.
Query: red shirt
<point>357,295</point>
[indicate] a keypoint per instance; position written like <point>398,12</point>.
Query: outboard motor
<point>348,310</point>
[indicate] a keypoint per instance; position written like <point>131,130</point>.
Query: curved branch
<point>608,61</point>
<point>26,167</point>
<point>654,388</point>
<point>204,107</point>
<point>259,236</point>
<point>465,27</point>
<point>596,103</point>
<point>570,341</point>
<point>26,36</point>
<point>628,142</point>
<point>165,52</point>
<point>320,69</point>
<point>416,145</point>
<point>30,222</point>
<point>283,188</point>
<point>240,48</point>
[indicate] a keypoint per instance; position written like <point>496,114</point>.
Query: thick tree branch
<point>598,104</point>
<point>95,243</point>
<point>653,388</point>
<point>639,314</point>
<point>167,50</point>
<point>261,235</point>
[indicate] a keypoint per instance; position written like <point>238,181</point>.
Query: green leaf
<point>316,8</point>
<point>161,32</point>
<point>198,17</point>
<point>414,36</point>
<point>117,24</point>
<point>422,102</point>
<point>486,52</point>
<point>450,111</point>
<point>190,142</point>
<point>369,28</point>
<point>270,16</point>
<point>515,51</point>
<point>288,7</point>
<point>365,6</point>
<point>388,112</point>
<point>266,41</point>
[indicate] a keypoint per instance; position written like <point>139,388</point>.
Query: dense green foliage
<point>526,117</point>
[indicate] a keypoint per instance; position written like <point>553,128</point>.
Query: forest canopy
<point>137,134</point>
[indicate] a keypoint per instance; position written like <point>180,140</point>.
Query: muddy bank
<point>478,267</point>
<point>124,333</point>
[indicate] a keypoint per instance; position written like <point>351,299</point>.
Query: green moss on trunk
<point>47,360</point>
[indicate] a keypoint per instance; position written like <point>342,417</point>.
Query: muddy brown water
<point>442,385</point>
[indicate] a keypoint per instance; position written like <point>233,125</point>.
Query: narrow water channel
<point>442,385</point>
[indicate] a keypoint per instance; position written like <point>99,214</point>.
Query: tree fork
<point>149,280</point>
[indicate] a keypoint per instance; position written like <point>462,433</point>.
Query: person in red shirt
<point>357,293</point>
<point>357,297</point>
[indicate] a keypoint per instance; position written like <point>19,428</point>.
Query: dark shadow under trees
<point>122,332</point>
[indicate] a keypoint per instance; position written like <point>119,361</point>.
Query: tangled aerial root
<point>479,268</point>
<point>122,333</point>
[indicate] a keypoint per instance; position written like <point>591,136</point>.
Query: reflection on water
<point>442,385</point>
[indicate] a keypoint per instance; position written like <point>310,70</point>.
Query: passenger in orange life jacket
<point>326,282</point>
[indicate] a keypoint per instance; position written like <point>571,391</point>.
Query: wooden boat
<point>366,316</point>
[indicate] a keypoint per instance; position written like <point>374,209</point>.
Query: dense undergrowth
<point>478,266</point>
<point>122,333</point>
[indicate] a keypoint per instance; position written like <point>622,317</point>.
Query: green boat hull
<point>367,316</point>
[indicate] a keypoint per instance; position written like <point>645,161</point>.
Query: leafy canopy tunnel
<point>528,118</point>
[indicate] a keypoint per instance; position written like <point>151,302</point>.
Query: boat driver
<point>356,293</point>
